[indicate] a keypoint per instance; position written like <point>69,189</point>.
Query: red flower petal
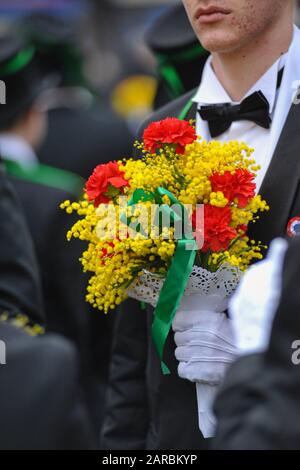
<point>217,231</point>
<point>240,185</point>
<point>103,175</point>
<point>169,131</point>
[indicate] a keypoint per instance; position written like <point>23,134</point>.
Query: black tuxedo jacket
<point>40,399</point>
<point>64,286</point>
<point>20,288</point>
<point>62,282</point>
<point>145,408</point>
<point>258,406</point>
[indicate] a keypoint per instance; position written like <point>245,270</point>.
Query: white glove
<point>205,348</point>
<point>253,306</point>
<point>204,339</point>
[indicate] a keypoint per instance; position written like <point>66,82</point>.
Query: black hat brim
<point>171,32</point>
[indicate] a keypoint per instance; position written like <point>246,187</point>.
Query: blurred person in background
<point>41,189</point>
<point>41,400</point>
<point>258,405</point>
<point>178,63</point>
<point>41,404</point>
<point>82,127</point>
<point>179,55</point>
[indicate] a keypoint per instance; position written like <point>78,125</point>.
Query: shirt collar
<point>211,91</point>
<point>16,149</point>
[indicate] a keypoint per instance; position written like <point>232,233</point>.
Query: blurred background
<point>117,64</point>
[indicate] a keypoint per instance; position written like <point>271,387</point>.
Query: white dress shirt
<point>212,92</point>
<point>14,148</point>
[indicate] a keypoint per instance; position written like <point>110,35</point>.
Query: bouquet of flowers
<point>170,224</point>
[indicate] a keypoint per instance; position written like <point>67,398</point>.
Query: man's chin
<point>219,42</point>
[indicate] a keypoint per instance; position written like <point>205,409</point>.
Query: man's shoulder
<point>54,356</point>
<point>44,192</point>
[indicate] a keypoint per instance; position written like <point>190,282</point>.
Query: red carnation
<point>169,131</point>
<point>217,231</point>
<point>239,185</point>
<point>105,182</point>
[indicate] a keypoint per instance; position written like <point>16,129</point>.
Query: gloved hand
<point>205,348</point>
<point>253,306</point>
<point>204,339</point>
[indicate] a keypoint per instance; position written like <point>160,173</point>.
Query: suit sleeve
<point>258,405</point>
<point>20,290</point>
<point>127,417</point>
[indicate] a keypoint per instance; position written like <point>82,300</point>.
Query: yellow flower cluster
<point>241,253</point>
<point>116,255</point>
<point>115,262</point>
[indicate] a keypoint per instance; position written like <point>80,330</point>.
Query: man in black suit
<point>258,406</point>
<point>40,402</point>
<point>254,55</point>
<point>41,189</point>
<point>41,405</point>
<point>82,128</point>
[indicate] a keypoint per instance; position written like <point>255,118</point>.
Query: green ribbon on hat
<point>178,273</point>
<point>167,66</point>
<point>18,62</point>
<point>185,55</point>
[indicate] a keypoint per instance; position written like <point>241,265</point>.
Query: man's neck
<point>239,70</point>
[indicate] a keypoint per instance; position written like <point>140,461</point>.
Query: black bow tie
<point>254,108</point>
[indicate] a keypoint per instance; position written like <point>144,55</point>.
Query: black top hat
<point>180,56</point>
<point>50,29</point>
<point>171,32</point>
<point>56,41</point>
<point>21,80</point>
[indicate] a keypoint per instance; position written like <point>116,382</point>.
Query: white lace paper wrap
<point>222,283</point>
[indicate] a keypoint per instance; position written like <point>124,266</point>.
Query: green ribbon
<point>18,62</point>
<point>191,53</point>
<point>167,66</point>
<point>178,273</point>
<point>46,175</point>
<point>172,77</point>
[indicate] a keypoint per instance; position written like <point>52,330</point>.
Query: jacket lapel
<point>281,182</point>
<point>192,112</point>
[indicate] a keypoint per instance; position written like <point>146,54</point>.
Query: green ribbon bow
<point>178,273</point>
